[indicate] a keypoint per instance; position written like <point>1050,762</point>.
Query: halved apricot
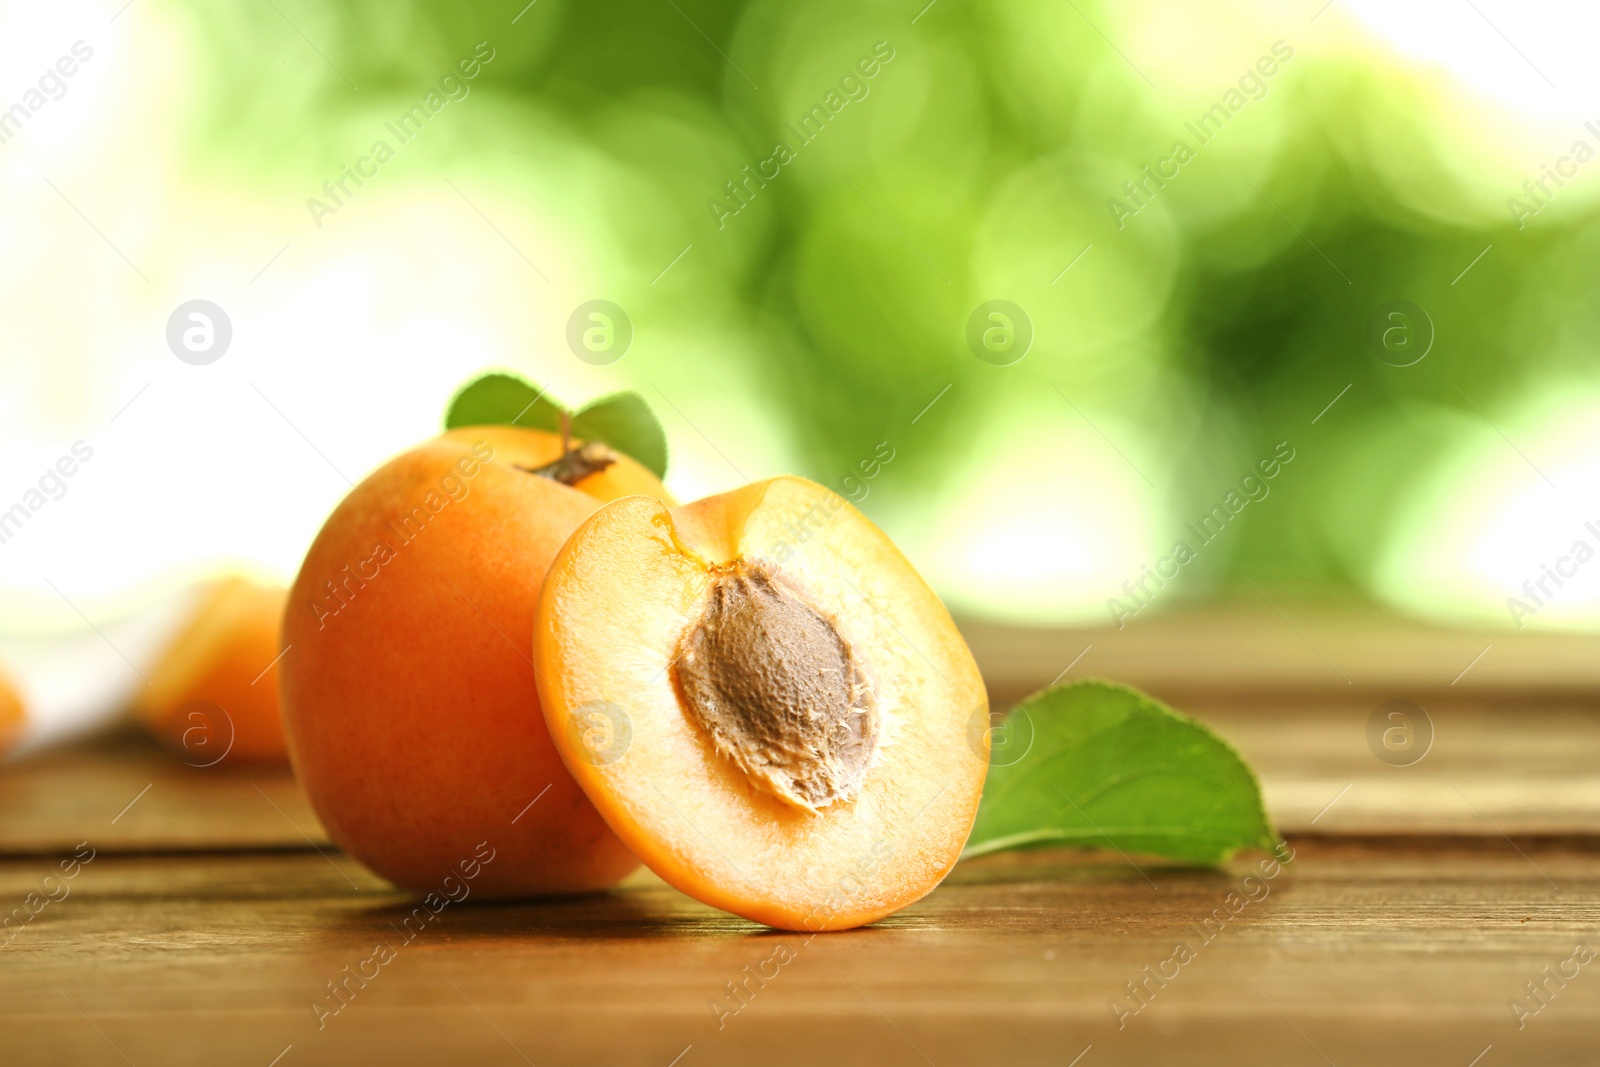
<point>764,701</point>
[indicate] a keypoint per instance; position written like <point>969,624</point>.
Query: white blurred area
<point>1044,516</point>
<point>1506,531</point>
<point>1535,57</point>
<point>348,340</point>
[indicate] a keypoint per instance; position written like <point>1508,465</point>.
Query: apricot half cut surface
<point>765,702</point>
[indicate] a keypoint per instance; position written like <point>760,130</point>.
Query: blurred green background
<point>1331,265</point>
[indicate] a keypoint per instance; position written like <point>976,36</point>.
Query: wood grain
<point>1267,649</point>
<point>1356,953</point>
<point>1493,767</point>
<point>1422,899</point>
<point>124,792</point>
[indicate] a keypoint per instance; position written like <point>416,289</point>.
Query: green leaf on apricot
<point>1106,766</point>
<point>623,420</point>
<point>503,400</point>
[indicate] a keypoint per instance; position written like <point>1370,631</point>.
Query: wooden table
<point>1422,900</point>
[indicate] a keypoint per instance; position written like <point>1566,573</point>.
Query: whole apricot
<point>409,694</point>
<point>765,701</point>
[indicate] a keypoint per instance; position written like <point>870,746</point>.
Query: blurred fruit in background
<point>197,667</point>
<point>13,715</point>
<point>213,694</point>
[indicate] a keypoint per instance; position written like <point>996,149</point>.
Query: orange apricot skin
<point>409,695</point>
<point>213,695</point>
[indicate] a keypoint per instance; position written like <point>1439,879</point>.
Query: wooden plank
<point>1506,756</point>
<point>1252,649</point>
<point>1357,953</point>
<point>123,792</point>
<point>1492,767</point>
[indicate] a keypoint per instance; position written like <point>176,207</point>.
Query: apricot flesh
<point>765,702</point>
<point>409,697</point>
<point>213,694</point>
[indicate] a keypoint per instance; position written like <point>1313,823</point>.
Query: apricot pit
<point>778,688</point>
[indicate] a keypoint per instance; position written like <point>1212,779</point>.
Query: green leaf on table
<point>1109,767</point>
<point>503,400</point>
<point>623,420</point>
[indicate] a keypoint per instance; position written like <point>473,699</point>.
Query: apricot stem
<point>577,464</point>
